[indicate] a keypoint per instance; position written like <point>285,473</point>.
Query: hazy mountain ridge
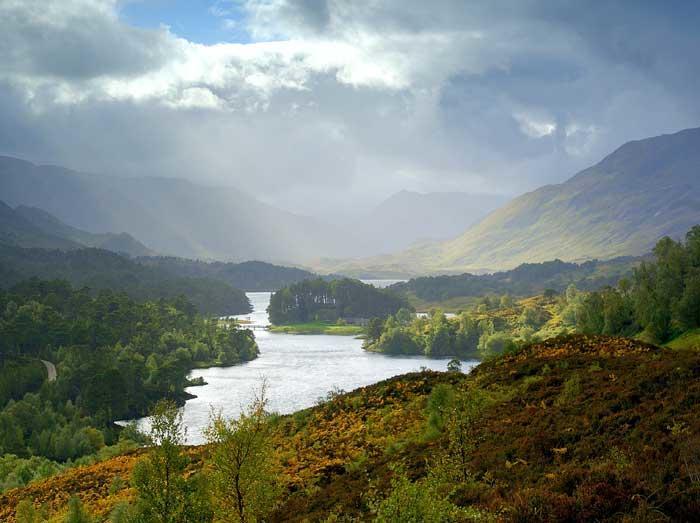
<point>15,229</point>
<point>115,242</point>
<point>172,216</point>
<point>621,206</point>
<point>526,280</point>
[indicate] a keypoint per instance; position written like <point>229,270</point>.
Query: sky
<point>328,106</point>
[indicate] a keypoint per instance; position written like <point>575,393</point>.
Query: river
<point>299,369</point>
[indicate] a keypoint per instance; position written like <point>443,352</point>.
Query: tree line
<point>437,336</point>
<point>660,301</point>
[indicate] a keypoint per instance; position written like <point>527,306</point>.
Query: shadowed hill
<point>248,276</point>
<point>101,269</point>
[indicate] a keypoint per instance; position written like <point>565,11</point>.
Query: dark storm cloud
<point>350,101</point>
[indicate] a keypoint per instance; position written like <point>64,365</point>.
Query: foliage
<point>436,336</point>
<point>528,279</point>
<point>662,299</point>
<point>320,300</point>
<point>77,512</point>
<point>319,327</point>
<point>164,493</point>
<point>115,358</point>
<point>249,276</point>
<point>19,376</point>
<point>622,447</point>
<point>99,270</point>
<point>415,502</point>
<point>243,467</point>
<point>28,513</point>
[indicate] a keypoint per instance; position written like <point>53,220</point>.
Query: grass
<point>319,327</point>
<point>687,340</point>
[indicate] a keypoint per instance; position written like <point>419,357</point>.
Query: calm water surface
<point>299,370</point>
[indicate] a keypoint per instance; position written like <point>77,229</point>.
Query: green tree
<point>28,513</point>
<point>422,501</point>
<point>164,495</point>
<point>454,365</point>
<point>77,513</point>
<point>466,410</point>
<point>243,467</point>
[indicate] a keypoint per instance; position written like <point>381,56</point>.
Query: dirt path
<point>50,369</point>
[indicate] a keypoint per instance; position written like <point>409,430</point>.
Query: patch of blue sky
<point>202,21</point>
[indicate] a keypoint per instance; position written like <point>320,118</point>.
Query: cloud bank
<point>340,103</point>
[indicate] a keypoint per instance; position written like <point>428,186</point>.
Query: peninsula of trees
<point>329,301</point>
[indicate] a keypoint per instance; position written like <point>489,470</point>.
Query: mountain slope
<point>643,191</point>
<point>122,242</point>
<point>171,216</point>
<point>15,229</point>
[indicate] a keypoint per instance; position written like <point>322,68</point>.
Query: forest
<point>249,276</point>
<point>659,301</point>
<point>330,301</point>
<point>527,279</point>
<point>115,357</point>
<point>99,269</point>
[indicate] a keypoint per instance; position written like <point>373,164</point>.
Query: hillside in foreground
<point>574,429</point>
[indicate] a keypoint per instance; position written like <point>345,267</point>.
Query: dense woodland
<point>99,269</point>
<point>249,276</point>
<point>320,300</point>
<point>115,358</point>
<point>528,279</point>
<point>661,301</point>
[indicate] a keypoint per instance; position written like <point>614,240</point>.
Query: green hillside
<point>643,191</point>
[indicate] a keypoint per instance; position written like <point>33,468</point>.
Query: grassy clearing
<point>319,328</point>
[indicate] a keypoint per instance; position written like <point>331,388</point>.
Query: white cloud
<point>535,127</point>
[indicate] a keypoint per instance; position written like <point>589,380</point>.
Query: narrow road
<point>50,369</point>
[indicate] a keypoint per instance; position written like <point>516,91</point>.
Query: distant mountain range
<point>178,218</point>
<point>169,215</point>
<point>643,191</point>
